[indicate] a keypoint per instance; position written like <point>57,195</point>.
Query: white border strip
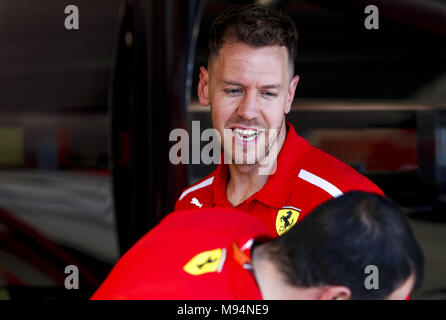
<point>198,186</point>
<point>321,183</point>
<point>247,245</point>
<point>222,260</point>
<point>290,207</point>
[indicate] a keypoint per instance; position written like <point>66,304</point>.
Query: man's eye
<point>269,94</point>
<point>232,91</point>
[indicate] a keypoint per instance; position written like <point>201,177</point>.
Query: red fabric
<point>284,187</point>
<point>153,267</point>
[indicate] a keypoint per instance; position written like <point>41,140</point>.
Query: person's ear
<point>336,293</point>
<point>290,94</point>
<point>203,87</point>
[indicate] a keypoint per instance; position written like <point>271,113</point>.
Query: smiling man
<point>267,170</point>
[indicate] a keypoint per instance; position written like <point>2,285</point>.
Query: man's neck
<point>244,181</point>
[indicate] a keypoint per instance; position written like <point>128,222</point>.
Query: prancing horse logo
<point>205,262</point>
<point>286,218</point>
<point>209,260</point>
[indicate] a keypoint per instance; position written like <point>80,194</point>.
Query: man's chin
<point>244,160</point>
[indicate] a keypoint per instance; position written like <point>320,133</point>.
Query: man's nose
<point>248,108</point>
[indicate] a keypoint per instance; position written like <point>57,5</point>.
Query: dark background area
<point>85,117</point>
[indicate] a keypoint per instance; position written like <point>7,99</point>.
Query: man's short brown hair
<point>256,26</point>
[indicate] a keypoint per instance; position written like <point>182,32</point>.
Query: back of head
<point>340,238</point>
<point>253,25</point>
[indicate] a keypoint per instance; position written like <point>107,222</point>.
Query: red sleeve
<point>369,186</point>
<point>181,205</point>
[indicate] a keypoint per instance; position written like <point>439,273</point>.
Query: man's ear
<point>290,94</point>
<point>203,87</point>
<point>336,293</point>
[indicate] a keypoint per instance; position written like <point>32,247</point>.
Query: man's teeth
<point>247,135</point>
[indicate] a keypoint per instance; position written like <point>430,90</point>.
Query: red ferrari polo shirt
<point>195,254</point>
<point>305,177</point>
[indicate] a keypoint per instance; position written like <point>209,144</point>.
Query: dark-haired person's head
<point>357,246</point>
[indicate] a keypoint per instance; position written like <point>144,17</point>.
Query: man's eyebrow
<point>233,83</point>
<point>272,86</point>
<point>268,86</point>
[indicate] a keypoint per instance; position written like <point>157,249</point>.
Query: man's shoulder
<point>194,195</point>
<point>321,177</point>
<point>332,175</point>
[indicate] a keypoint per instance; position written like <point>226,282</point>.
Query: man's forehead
<point>240,60</point>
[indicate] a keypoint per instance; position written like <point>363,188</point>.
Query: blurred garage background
<point>85,117</point>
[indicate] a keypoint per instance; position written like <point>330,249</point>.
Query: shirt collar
<point>279,185</point>
<point>219,185</point>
